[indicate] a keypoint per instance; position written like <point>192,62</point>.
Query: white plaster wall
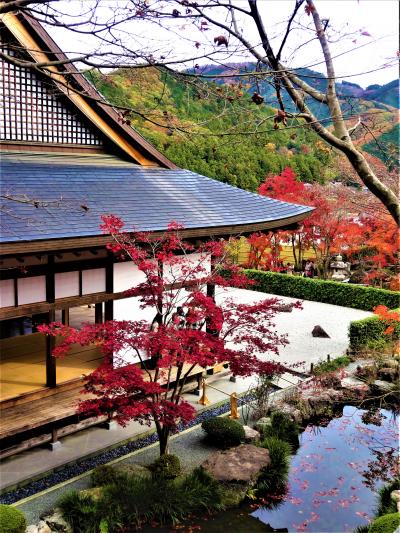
<point>126,276</point>
<point>31,290</point>
<point>66,284</point>
<point>93,280</point>
<point>7,293</point>
<point>173,272</point>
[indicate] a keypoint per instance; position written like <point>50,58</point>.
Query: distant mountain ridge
<point>385,94</point>
<point>381,95</point>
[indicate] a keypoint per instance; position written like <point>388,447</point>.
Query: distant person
<point>289,268</point>
<point>309,269</point>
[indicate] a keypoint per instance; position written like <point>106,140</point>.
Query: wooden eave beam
<point>68,244</point>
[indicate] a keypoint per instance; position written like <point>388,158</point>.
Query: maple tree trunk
<point>163,433</point>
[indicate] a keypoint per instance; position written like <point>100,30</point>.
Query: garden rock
<point>388,374</point>
<point>242,464</point>
<point>395,495</point>
<point>55,523</point>
<point>294,413</point>
<point>32,529</point>
<point>350,383</point>
<point>250,434</point>
<point>320,401</point>
<point>43,527</point>
<point>262,423</point>
<point>318,331</point>
<point>382,386</point>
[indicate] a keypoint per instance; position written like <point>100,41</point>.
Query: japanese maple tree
<point>190,330</point>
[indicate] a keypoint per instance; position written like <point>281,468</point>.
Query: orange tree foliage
<point>337,225</point>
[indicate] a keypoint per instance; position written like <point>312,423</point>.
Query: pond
<point>327,491</point>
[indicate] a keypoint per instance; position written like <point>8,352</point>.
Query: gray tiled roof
<point>144,197</point>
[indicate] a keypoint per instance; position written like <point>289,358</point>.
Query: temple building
<point>66,159</point>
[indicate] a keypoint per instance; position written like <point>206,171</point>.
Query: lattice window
<point>32,109</point>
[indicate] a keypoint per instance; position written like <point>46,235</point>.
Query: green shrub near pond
<point>385,524</point>
<point>274,477</point>
<point>223,432</point>
<point>386,504</point>
<point>135,501</point>
<point>282,427</point>
<point>369,332</point>
<point>12,520</point>
<point>317,290</point>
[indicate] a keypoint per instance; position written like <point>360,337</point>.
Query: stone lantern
<point>340,269</point>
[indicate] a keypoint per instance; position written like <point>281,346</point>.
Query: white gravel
<point>299,324</point>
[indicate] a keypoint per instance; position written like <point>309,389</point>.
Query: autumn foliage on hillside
<point>340,223</point>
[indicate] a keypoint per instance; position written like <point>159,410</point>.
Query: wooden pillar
<point>211,294</point>
<point>109,305</point>
<point>51,370</point>
<point>98,313</point>
<point>65,317</point>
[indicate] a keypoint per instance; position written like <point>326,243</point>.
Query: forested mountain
<point>216,129</point>
<point>209,129</point>
<point>385,94</point>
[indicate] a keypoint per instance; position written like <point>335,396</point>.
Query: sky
<point>364,47</point>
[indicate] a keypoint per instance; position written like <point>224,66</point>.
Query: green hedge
<point>317,290</point>
<point>367,330</point>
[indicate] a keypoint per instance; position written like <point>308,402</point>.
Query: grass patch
<point>133,501</point>
<point>331,366</point>
<point>274,477</point>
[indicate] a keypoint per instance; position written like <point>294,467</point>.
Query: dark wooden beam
<point>109,304</point>
<point>65,317</point>
<point>51,370</point>
<point>98,313</point>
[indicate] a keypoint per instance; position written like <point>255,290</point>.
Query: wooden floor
<point>39,411</point>
<point>23,362</point>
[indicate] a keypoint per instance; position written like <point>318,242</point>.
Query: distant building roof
<point>72,191</point>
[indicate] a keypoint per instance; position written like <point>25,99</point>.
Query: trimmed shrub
<point>369,331</point>
<point>103,475</point>
<point>166,467</point>
<point>224,432</point>
<point>12,520</point>
<point>317,290</point>
<point>385,524</point>
<point>282,427</point>
<point>274,477</point>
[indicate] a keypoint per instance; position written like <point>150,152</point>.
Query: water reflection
<point>328,491</point>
